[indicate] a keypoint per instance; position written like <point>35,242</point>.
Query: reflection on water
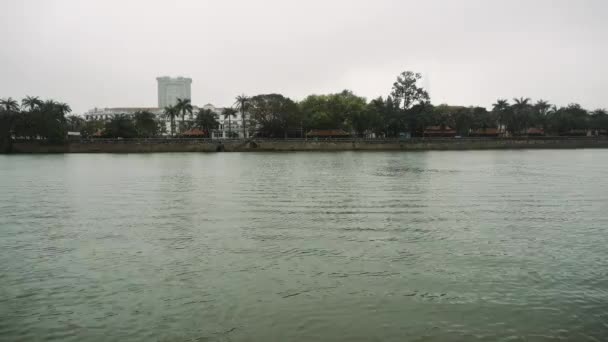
<point>487,245</point>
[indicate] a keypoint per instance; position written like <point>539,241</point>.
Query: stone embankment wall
<point>299,145</point>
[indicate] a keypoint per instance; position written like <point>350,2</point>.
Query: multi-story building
<point>230,126</point>
<point>109,113</point>
<point>170,89</point>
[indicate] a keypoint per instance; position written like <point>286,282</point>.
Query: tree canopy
<point>407,109</point>
<point>274,115</point>
<point>340,110</point>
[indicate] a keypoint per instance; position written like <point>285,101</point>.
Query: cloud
<point>108,53</point>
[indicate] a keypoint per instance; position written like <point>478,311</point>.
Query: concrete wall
<point>427,145</point>
<point>238,146</point>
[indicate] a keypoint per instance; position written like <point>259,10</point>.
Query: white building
<point>170,89</point>
<point>232,126</point>
<point>109,113</point>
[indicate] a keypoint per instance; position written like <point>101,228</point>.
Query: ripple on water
<point>487,245</point>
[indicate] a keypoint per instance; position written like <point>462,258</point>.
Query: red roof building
<point>328,133</point>
<point>439,131</point>
<point>535,131</point>
<point>485,132</point>
<point>195,132</point>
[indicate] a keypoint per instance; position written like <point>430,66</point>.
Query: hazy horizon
<point>109,53</point>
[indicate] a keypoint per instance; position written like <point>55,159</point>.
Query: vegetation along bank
<point>407,112</point>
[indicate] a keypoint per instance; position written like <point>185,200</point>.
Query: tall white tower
<point>170,89</point>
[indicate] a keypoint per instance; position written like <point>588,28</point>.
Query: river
<point>349,246</point>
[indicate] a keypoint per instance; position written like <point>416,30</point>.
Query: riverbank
<point>194,145</point>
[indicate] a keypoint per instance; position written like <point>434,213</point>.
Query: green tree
<point>120,126</point>
<point>145,124</point>
<point>50,121</point>
<point>31,102</point>
<point>229,113</point>
<point>207,120</point>
<point>407,92</point>
<point>39,120</point>
<point>520,118</point>
<point>9,105</point>
<point>25,124</point>
<point>419,117</point>
<point>599,120</point>
<point>444,115</point>
<point>171,112</point>
<point>63,108</point>
<point>184,106</point>
<point>91,127</point>
<point>482,119</point>
<point>502,111</point>
<point>368,120</point>
<point>541,110</point>
<point>392,117</point>
<point>569,118</point>
<point>274,115</point>
<point>6,130</point>
<point>242,104</point>
<point>75,123</point>
<point>340,110</point>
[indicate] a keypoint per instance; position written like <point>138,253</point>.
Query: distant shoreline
<point>195,145</point>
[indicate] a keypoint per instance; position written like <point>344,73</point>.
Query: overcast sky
<point>107,53</point>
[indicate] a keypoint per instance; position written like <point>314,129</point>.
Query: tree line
<point>406,109</point>
<point>33,118</point>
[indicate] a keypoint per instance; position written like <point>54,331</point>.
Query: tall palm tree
<point>184,106</point>
<point>171,113</point>
<point>542,109</point>
<point>63,108</point>
<point>229,113</point>
<point>206,119</point>
<point>75,123</point>
<point>31,102</point>
<point>9,104</point>
<point>501,104</point>
<point>500,108</point>
<point>521,111</point>
<point>48,105</point>
<point>521,102</point>
<point>242,104</point>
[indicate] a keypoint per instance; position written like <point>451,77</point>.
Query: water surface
<point>352,246</point>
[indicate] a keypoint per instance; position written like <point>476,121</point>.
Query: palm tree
<point>63,108</point>
<point>31,102</point>
<point>171,113</point>
<point>206,119</point>
<point>521,102</point>
<point>242,104</point>
<point>75,123</point>
<point>501,104</point>
<point>9,104</point>
<point>521,111</point>
<point>599,121</point>
<point>48,105</point>
<point>542,109</point>
<point>500,108</point>
<point>184,106</point>
<point>229,113</point>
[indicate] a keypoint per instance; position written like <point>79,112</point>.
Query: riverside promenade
<point>153,145</point>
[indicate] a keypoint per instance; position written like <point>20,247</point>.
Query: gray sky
<point>108,52</point>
